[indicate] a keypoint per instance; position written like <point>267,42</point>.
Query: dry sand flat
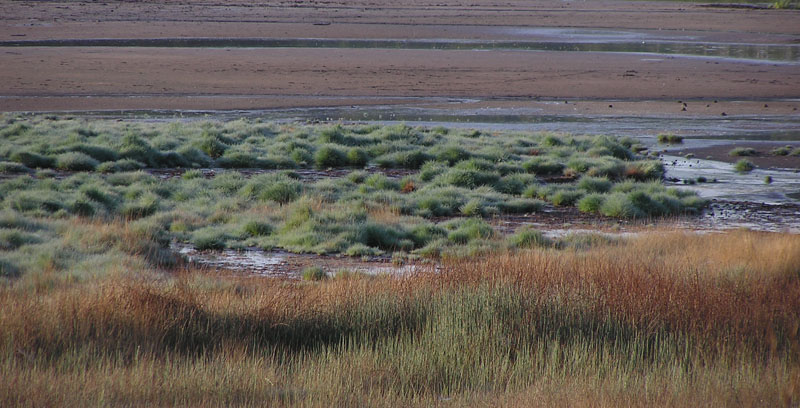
<point>60,19</point>
<point>92,78</point>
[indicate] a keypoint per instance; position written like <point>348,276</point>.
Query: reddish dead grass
<point>730,301</point>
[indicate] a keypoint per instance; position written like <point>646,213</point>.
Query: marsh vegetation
<point>95,309</point>
<point>662,319</point>
<point>451,185</point>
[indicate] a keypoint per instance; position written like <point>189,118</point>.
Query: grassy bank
<point>665,319</point>
<point>414,192</point>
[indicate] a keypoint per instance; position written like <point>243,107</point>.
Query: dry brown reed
<point>666,318</point>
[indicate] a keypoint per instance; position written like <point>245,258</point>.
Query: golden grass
<point>664,319</point>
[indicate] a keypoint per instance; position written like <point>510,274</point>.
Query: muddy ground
<point>764,156</point>
<point>141,78</point>
<point>554,222</point>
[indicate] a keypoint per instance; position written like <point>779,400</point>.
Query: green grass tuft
<point>744,166</point>
<point>314,273</point>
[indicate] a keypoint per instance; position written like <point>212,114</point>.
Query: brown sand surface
<point>59,18</point>
<point>119,78</point>
<point>184,73</point>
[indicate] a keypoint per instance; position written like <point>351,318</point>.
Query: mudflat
<point>45,78</point>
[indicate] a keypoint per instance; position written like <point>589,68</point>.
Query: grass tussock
<point>364,208</point>
<point>664,319</point>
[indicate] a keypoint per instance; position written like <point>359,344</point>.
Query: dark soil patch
<point>764,157</point>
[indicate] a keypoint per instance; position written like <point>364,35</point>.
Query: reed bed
<point>667,318</point>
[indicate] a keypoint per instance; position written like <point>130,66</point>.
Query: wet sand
<point>193,78</point>
<point>137,78</point>
<point>763,158</point>
<point>381,18</point>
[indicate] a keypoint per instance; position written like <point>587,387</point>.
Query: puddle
<point>718,217</point>
<point>729,215</point>
<point>251,260</point>
<point>283,264</point>
<point>731,185</point>
<point>613,42</point>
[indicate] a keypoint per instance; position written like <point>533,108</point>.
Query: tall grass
<point>665,319</point>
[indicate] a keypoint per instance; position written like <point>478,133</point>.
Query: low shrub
<point>565,197</point>
<point>192,174</point>
<point>473,207</point>
<point>744,166</point>
<point>145,205</point>
<point>240,160</point>
<point>9,269</point>
<point>782,151</point>
<point>645,170</point>
<point>527,237</point>
<point>431,169</point>
<point>82,207</point>
<point>614,147</point>
<point>619,205</point>
<point>591,203</point>
<point>742,151</point>
<point>381,182</point>
<point>360,249</point>
<point>257,228</point>
<point>35,200</point>
<point>357,157</point>
<point>514,184</point>
<point>543,166</point>
<point>211,145</point>
<point>451,154</point>
<point>467,178</point>
<point>120,165</point>
<point>357,176</point>
<point>412,159</point>
<point>75,161</point>
<point>314,273</point>
<point>444,201</point>
<point>135,148</point>
<point>329,156</point>
<point>194,156</point>
<point>13,168</point>
<point>551,141</point>
<point>520,206</point>
<point>272,187</point>
<point>386,237</point>
<point>669,138</point>
<point>469,230</point>
<point>11,239</point>
<point>424,233</point>
<point>33,160</point>
<point>591,184</point>
<point>208,239</point>
<point>99,153</point>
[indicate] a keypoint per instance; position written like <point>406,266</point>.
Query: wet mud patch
<point>773,155</point>
<point>728,215</point>
<point>719,180</point>
<point>554,222</point>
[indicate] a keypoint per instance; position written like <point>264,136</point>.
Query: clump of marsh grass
<point>669,138</point>
<point>314,273</point>
<point>742,151</point>
<point>744,166</point>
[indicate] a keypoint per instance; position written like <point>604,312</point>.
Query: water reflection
<point>763,52</point>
